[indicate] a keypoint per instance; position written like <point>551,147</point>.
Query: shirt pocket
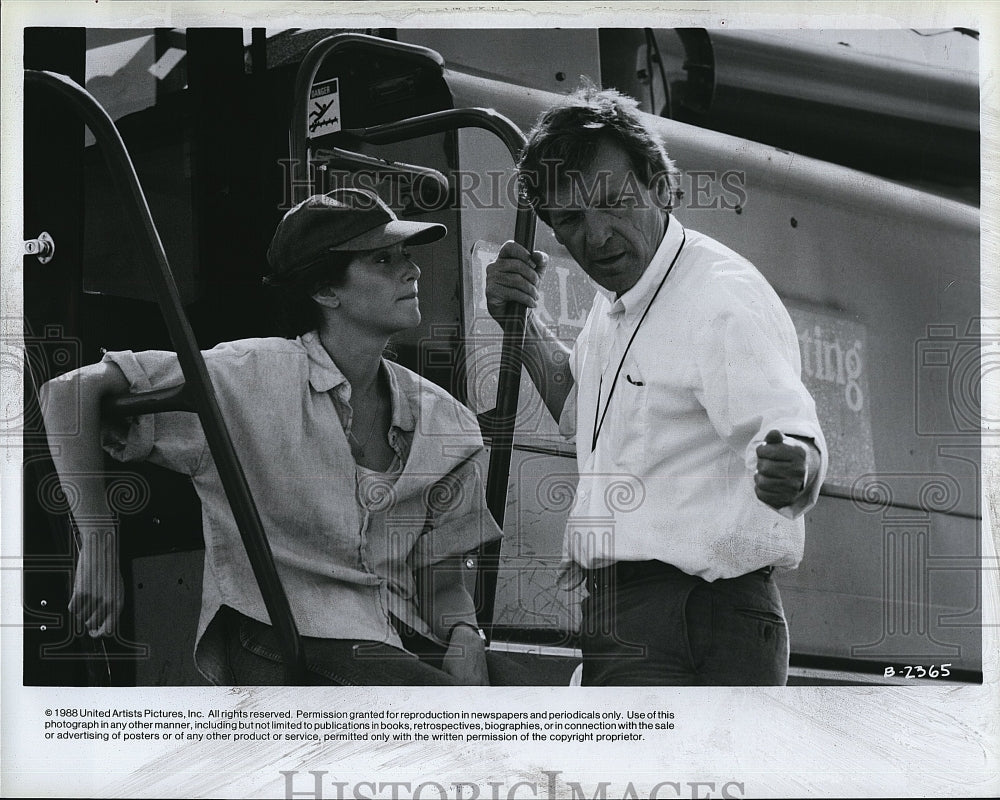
<point>627,425</point>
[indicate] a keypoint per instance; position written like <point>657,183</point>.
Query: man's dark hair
<point>566,138</point>
<point>296,312</point>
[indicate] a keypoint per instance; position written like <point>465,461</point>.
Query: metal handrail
<point>298,142</point>
<point>198,382</point>
<point>176,398</point>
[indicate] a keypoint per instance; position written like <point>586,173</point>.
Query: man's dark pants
<point>646,623</point>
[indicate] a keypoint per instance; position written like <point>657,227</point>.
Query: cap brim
<point>392,233</point>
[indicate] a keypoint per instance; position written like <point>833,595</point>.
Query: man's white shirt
<point>712,368</point>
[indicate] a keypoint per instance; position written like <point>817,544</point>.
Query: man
<point>698,447</point>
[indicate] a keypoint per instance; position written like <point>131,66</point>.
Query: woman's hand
<point>465,659</point>
<point>98,589</point>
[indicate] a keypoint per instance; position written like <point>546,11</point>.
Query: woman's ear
<point>327,296</point>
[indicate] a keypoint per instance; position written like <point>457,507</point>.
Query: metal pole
<point>512,347</point>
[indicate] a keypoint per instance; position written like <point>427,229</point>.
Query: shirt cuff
<point>788,439</point>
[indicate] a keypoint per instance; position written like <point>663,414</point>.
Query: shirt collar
<point>636,298</point>
<point>325,375</point>
<point>402,404</point>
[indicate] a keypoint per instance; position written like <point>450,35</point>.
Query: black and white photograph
<point>499,401</point>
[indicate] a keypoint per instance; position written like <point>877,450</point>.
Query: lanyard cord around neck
<point>598,424</point>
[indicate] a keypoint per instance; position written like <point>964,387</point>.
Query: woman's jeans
<point>255,659</point>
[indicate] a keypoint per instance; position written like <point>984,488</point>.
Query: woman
<point>367,477</point>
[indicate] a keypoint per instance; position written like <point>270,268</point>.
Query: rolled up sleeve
<point>750,376</point>
<point>174,439</point>
<point>458,520</point>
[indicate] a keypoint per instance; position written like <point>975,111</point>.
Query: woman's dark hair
<point>295,311</point>
<point>566,139</point>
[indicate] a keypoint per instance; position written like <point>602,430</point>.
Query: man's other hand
<point>784,470</point>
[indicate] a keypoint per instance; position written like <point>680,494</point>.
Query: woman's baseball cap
<point>344,219</point>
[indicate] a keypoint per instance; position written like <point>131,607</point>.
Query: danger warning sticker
<point>323,109</point>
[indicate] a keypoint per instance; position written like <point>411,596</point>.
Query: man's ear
<point>661,191</point>
<point>327,296</point>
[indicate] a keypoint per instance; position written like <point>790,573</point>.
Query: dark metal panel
<point>53,327</point>
<point>167,592</point>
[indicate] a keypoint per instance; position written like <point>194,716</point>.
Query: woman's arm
<point>71,406</point>
<point>450,612</point>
